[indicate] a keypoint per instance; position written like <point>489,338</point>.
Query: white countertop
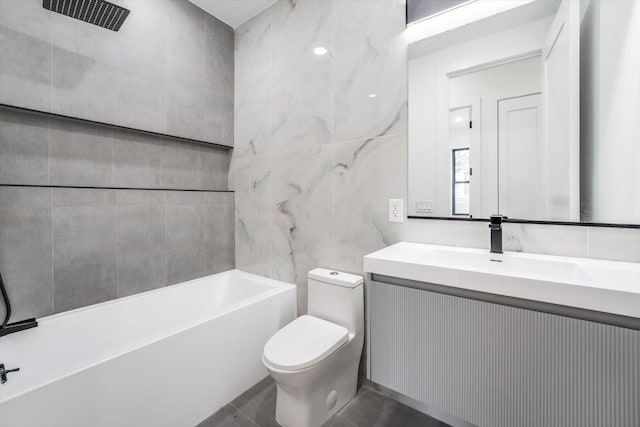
<point>592,284</point>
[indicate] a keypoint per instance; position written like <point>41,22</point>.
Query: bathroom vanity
<point>527,114</point>
<point>476,338</point>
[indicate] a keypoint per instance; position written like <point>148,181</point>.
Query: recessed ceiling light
<point>373,95</point>
<point>320,51</point>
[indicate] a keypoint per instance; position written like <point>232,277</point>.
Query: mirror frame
<point>508,220</point>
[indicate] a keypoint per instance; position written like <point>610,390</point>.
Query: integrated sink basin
<point>589,284</point>
<point>506,264</point>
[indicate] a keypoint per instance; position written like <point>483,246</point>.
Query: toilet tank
<point>336,297</point>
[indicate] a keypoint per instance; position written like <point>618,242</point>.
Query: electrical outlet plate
<point>396,211</point>
<point>424,206</point>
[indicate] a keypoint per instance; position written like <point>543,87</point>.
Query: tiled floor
<point>257,407</point>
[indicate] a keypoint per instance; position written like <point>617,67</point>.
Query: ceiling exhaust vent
<point>98,12</point>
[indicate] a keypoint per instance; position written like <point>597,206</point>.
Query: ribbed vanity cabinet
<point>494,365</point>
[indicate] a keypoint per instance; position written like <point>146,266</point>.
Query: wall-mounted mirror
<point>533,113</point>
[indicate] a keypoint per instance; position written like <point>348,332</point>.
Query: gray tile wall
<point>64,248</point>
<point>38,150</point>
<point>169,70</point>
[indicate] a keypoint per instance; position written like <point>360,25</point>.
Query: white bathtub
<point>169,357</point>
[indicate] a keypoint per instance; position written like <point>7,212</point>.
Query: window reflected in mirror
<point>460,141</point>
<point>460,181</point>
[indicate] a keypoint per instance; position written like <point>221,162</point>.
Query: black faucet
<point>496,233</point>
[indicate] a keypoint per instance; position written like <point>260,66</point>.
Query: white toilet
<point>314,359</point>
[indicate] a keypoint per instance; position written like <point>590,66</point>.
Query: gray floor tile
<point>339,422</point>
<point>259,403</point>
<point>371,409</point>
<point>367,409</point>
<point>227,417</point>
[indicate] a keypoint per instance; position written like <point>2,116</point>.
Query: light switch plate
<point>396,211</point>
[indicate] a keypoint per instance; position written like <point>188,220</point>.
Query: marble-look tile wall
<point>169,69</point>
<point>315,156</point>
<point>321,144</point>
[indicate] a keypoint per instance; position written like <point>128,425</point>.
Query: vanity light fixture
<point>320,51</point>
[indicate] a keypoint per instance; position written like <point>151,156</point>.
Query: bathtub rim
<point>276,283</point>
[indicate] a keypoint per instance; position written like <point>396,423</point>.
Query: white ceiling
<point>233,12</point>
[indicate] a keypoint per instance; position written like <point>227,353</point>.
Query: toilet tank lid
<point>335,277</point>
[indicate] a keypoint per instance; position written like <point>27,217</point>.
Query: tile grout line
<point>117,207</point>
<point>52,30</point>
<point>333,134</point>
<point>166,240</point>
<point>85,187</point>
<point>270,268</point>
<point>199,180</point>
<point>343,419</point>
<point>53,281</point>
<point>245,415</point>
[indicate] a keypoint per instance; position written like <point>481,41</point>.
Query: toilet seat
<point>303,343</point>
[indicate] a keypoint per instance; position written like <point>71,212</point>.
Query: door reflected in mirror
<point>507,115</point>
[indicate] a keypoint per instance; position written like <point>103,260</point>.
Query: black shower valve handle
<point>4,372</point>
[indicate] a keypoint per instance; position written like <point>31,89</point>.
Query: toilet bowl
<point>314,359</point>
